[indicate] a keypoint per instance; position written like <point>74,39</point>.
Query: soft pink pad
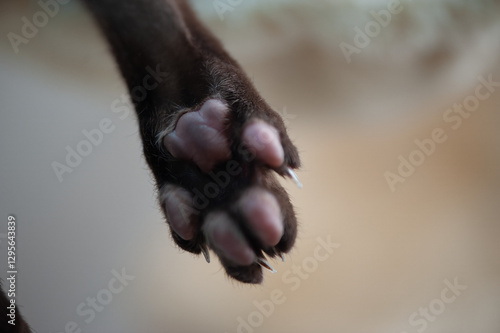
<point>263,140</point>
<point>178,204</point>
<point>227,239</point>
<point>198,136</point>
<point>262,212</point>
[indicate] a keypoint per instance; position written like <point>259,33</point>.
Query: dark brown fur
<point>166,35</point>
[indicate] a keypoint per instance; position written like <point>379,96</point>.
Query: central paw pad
<point>199,136</point>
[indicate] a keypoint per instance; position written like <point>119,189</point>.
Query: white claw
<point>205,252</point>
<point>294,177</point>
<point>280,254</point>
<point>265,264</point>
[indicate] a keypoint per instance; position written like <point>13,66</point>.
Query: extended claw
<point>294,177</point>
<point>205,252</point>
<point>279,254</point>
<point>265,264</point>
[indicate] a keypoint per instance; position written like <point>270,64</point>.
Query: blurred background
<point>414,236</point>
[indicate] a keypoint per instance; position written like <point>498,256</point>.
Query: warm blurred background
<point>394,250</point>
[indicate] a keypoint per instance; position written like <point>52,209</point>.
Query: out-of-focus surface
<point>394,252</point>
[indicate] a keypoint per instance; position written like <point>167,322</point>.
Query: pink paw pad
<point>199,137</point>
<point>178,209</point>
<point>263,140</point>
<point>227,239</point>
<point>262,212</point>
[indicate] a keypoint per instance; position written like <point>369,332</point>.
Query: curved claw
<point>279,254</point>
<point>265,264</point>
<point>205,252</point>
<point>294,177</point>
